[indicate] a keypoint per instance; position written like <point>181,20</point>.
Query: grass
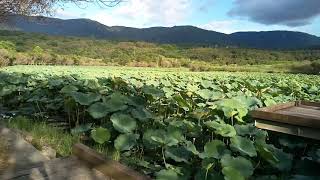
<point>45,135</point>
<point>3,154</point>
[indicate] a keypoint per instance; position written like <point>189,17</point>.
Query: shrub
<point>8,45</point>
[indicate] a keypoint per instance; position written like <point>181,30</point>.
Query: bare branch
<point>43,7</point>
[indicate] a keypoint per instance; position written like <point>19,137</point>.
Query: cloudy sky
<point>225,16</point>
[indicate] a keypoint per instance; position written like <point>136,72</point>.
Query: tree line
<point>33,48</point>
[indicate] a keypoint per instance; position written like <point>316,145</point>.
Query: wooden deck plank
<point>288,129</point>
<point>295,113</point>
<point>314,104</point>
<point>310,107</point>
<point>302,111</point>
<point>300,118</point>
<point>64,169</point>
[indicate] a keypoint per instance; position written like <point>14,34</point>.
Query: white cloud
<point>231,26</point>
<point>219,26</point>
<point>61,13</point>
<point>143,13</point>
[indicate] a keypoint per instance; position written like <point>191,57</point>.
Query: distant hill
<point>174,35</point>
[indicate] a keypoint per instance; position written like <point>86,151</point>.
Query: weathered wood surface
<point>27,163</point>
<point>84,164</point>
<point>288,129</point>
<point>299,113</point>
<point>20,152</point>
<point>108,167</point>
<point>299,118</point>
<point>70,168</point>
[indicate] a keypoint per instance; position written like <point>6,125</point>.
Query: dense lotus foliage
<point>171,124</point>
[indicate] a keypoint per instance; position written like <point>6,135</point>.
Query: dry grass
<point>3,154</point>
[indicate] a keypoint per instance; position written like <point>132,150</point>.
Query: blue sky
<point>225,16</point>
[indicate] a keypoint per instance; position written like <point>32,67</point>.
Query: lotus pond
<point>171,123</point>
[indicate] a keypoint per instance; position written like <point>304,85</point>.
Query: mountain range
<point>170,35</point>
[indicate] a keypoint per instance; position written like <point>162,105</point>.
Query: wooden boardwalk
<point>27,163</point>
<point>298,118</point>
<point>70,168</point>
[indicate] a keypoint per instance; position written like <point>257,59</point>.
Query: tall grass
<point>45,135</point>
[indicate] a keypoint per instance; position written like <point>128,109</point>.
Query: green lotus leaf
<point>125,142</point>
<point>229,112</point>
<point>55,82</point>
<point>152,91</point>
<point>203,174</point>
<point>192,88</point>
<point>85,98</point>
<point>168,92</point>
<point>243,145</point>
<point>232,174</point>
<point>249,102</point>
<point>285,159</point>
<point>214,149</point>
<point>206,84</point>
<point>91,83</point>
<point>167,174</point>
<point>99,110</point>
<point>81,128</point>
<point>232,107</point>
<point>205,94</point>
<point>266,154</point>
<point>100,135</point>
<point>313,89</point>
<point>248,129</point>
<point>191,147</point>
<point>239,164</point>
<point>7,90</point>
<point>117,102</point>
<point>141,114</point>
<point>174,134</point>
<point>231,103</point>
<point>166,82</point>
<point>199,113</point>
<point>242,112</point>
<point>208,163</point>
<point>178,154</point>
<point>209,94</point>
<point>182,102</point>
<point>269,102</point>
<point>69,89</point>
<point>158,137</point>
<point>221,128</point>
<point>261,136</point>
<point>153,138</point>
<point>123,123</point>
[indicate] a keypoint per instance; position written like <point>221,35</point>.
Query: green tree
<point>8,45</point>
